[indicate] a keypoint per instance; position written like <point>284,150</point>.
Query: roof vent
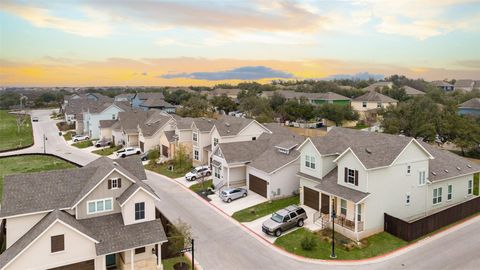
<point>446,170</point>
<point>458,168</point>
<point>434,173</point>
<point>227,124</point>
<point>469,166</point>
<point>115,163</point>
<point>368,150</point>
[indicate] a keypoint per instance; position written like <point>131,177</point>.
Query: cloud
<point>241,73</point>
<point>470,63</point>
<point>357,76</point>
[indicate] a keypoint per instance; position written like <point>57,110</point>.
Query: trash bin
<point>59,133</point>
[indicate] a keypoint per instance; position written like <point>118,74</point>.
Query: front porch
<point>142,258</point>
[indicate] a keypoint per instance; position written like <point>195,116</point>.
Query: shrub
<point>153,154</point>
<point>308,242</point>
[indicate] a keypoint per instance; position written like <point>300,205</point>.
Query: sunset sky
<point>107,42</point>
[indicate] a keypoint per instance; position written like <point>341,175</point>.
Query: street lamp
<point>44,144</point>
<point>334,215</point>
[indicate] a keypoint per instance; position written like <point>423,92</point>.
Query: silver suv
<point>230,194</point>
<point>284,219</point>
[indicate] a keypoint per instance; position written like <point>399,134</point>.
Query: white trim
<point>139,188</point>
<point>42,233</point>
<point>151,244</point>
<point>254,121</point>
<point>408,144</point>
<point>320,154</point>
<point>344,153</point>
<point>285,165</point>
<point>452,177</point>
<point>96,201</point>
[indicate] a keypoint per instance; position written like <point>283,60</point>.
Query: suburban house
<point>201,140</point>
<point>313,98</point>
<point>364,176</point>
<point>445,86</point>
<point>368,104</point>
<point>150,130</point>
<point>230,93</point>
<point>470,107</point>
<point>126,97</point>
<point>146,101</point>
<point>181,136</point>
<point>378,86</point>
<point>410,91</point>
<point>74,106</point>
<point>93,113</point>
<point>267,165</point>
<point>125,130</point>
<point>96,217</point>
<point>465,85</point>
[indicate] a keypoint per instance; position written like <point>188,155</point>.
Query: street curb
<point>376,259</point>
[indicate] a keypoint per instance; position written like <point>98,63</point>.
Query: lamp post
<point>44,144</point>
<point>334,215</point>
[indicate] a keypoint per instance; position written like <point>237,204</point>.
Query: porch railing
<point>349,224</point>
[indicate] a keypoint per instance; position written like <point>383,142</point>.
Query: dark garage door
<point>142,146</point>
<point>310,198</point>
<point>86,265</point>
<point>165,150</point>
<point>257,185</point>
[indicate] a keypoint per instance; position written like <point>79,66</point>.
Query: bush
<point>308,242</point>
<point>153,154</point>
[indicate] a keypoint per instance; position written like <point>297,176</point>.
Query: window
<point>421,178</point>
<point>437,195</point>
<point>409,169</point>
<point>310,162</point>
<point>379,105</point>
<point>139,250</point>
<point>359,213</point>
<point>293,215</point>
<point>99,206</point>
<point>140,211</point>
<point>351,176</point>
<point>57,243</point>
<point>343,207</point>
<point>254,138</point>
<point>364,104</point>
<point>195,136</point>
<point>196,155</point>
<point>407,199</point>
<point>113,116</point>
<point>286,218</point>
<point>449,192</point>
<point>217,171</point>
<point>470,187</point>
<point>215,141</point>
<point>114,183</point>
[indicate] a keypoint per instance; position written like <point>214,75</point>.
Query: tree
<point>395,92</point>
<point>195,106</point>
<point>297,110</point>
<point>337,113</point>
<point>181,157</point>
<point>224,103</point>
<point>276,100</point>
<point>179,236</point>
<point>254,106</point>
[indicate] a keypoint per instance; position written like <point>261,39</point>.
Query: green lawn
<point>106,151</point>
<point>375,245</point>
<point>29,163</point>
<point>169,263</point>
<point>68,135</point>
<point>83,144</point>
<point>263,209</point>
<point>178,171</point>
<point>10,138</point>
<point>201,186</point>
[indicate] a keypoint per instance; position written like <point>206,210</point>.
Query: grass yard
<point>107,151</point>
<point>263,209</point>
<point>28,164</point>
<point>201,186</point>
<point>178,171</point>
<point>83,144</point>
<point>169,263</point>
<point>10,138</point>
<point>68,135</point>
<point>372,246</point>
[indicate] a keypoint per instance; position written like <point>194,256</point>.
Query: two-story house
<point>444,86</point>
<point>150,130</point>
<point>364,175</point>
<point>201,140</point>
<point>125,130</point>
<point>180,137</point>
<point>96,217</point>
<point>96,112</point>
<point>368,104</point>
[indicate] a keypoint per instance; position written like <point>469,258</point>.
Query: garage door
<point>142,146</point>
<point>257,185</point>
<point>310,198</point>
<point>86,265</point>
<point>165,150</point>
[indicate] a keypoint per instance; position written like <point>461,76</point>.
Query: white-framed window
<point>470,187</point>
<point>139,211</point>
<point>379,105</point>
<point>343,207</point>
<point>196,155</point>
<point>407,199</point>
<point>364,104</point>
<point>409,169</point>
<point>113,116</point>
<point>310,162</point>
<point>359,213</point>
<point>449,192</point>
<point>115,182</point>
<point>99,206</point>
<point>437,195</point>
<point>422,178</point>
<point>215,141</point>
<point>351,176</point>
<point>194,136</point>
<point>217,171</point>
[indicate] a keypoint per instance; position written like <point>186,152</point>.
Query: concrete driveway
<point>237,205</point>
<point>188,184</point>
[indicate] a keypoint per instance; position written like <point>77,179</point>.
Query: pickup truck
<point>128,152</point>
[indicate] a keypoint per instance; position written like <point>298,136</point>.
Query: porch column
<point>330,208</point>
<point>132,259</point>
<point>355,211</point>
<point>228,177</point>
<point>100,263</point>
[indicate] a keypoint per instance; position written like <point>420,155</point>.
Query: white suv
<point>128,152</point>
<point>78,138</point>
<point>198,172</point>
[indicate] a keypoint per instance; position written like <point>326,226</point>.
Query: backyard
<point>263,209</point>
<point>28,164</point>
<point>318,245</point>
<point>10,138</point>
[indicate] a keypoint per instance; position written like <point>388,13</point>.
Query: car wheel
<point>229,200</point>
<point>244,195</point>
<point>278,232</point>
<point>138,152</point>
<point>208,174</point>
<point>123,155</point>
<point>300,223</point>
<point>193,178</point>
<point>75,140</point>
<point>87,138</point>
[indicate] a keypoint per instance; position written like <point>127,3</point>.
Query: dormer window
<point>310,162</point>
<point>195,136</point>
<point>140,211</point>
<point>114,183</point>
<point>215,141</point>
<point>283,151</point>
<point>351,176</point>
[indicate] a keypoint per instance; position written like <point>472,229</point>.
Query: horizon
<point>193,43</point>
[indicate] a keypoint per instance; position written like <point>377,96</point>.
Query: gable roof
<point>107,123</point>
<point>330,185</point>
<point>230,125</point>
<point>154,123</point>
<point>380,85</point>
<point>183,123</point>
<point>129,121</point>
<point>412,91</point>
<point>473,103</point>
<point>170,135</point>
<point>204,124</point>
<point>441,83</point>
<point>374,96</point>
<point>145,96</point>
<point>464,83</point>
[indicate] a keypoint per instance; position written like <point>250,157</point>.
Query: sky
<point>182,43</point>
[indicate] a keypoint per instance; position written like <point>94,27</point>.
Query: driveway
<point>237,205</point>
<point>186,183</point>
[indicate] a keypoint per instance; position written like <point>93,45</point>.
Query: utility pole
<point>193,254</point>
<point>44,144</point>
<point>334,215</point>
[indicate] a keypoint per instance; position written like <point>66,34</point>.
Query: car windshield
<point>121,151</point>
<point>277,218</point>
<point>193,171</point>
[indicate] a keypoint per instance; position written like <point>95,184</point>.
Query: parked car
<point>144,157</point>
<point>34,119</point>
<point>128,152</point>
<point>284,219</point>
<point>102,143</point>
<point>201,171</point>
<point>230,194</point>
<point>78,138</point>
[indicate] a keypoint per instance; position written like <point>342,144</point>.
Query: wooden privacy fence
<point>409,231</point>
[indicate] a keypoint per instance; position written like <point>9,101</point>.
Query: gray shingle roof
<point>379,85</point>
<point>271,160</point>
<point>145,96</point>
<point>204,124</point>
<point>230,125</point>
<point>473,103</point>
<point>412,91</point>
<point>183,122</point>
<point>154,123</point>
<point>464,83</point>
<point>9,254</point>
<point>289,94</point>
<point>170,135</point>
<point>441,83</point>
<point>329,185</point>
<point>373,96</point>
<point>129,121</point>
<point>114,236</point>
<point>155,102</point>
<point>107,123</point>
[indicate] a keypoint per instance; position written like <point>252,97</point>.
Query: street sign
<point>187,249</point>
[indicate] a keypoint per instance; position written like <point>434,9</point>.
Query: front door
<point>111,260</point>
<point>325,204</point>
